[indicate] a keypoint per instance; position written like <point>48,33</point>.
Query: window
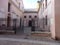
<point>43,7</point>
<point>46,3</point>
<point>46,20</point>
<point>8,20</point>
<point>35,16</point>
<point>9,7</point>
<point>43,23</point>
<point>24,16</point>
<point>29,16</point>
<point>19,5</point>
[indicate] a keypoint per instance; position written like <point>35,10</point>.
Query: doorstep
<point>41,34</point>
<point>7,31</point>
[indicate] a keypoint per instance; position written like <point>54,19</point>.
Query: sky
<point>30,4</point>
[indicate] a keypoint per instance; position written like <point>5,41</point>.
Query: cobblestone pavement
<point>23,40</point>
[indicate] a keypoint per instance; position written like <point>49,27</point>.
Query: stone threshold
<point>7,31</point>
<point>43,34</point>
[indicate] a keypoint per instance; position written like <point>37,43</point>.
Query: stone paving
<point>23,40</point>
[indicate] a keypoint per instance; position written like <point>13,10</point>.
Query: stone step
<point>42,34</point>
<point>7,32</point>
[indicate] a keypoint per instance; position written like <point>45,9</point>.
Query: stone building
<point>49,14</point>
<point>11,12</point>
<point>30,18</point>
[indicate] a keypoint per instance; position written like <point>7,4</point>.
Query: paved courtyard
<point>26,40</point>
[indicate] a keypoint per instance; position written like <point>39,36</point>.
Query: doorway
<point>8,21</point>
<point>30,23</point>
<point>20,22</point>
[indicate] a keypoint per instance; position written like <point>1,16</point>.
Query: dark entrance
<point>8,20</point>
<point>14,25</point>
<point>33,25</point>
<point>20,22</point>
<point>30,23</point>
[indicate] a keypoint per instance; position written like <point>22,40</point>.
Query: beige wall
<point>52,20</point>
<point>17,4</point>
<point>16,13</point>
<point>55,15</point>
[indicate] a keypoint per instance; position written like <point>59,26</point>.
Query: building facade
<point>49,14</point>
<point>43,15</point>
<point>11,12</point>
<point>31,19</point>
